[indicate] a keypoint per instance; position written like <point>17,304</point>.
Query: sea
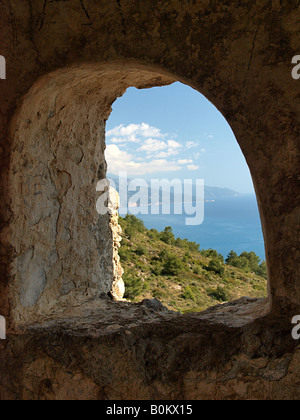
<point>229,224</point>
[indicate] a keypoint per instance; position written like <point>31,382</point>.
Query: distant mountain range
<point>210,193</point>
<point>214,193</point>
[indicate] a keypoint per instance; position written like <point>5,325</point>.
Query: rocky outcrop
<point>113,350</point>
<point>113,204</point>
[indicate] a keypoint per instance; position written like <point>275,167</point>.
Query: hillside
<point>179,274</point>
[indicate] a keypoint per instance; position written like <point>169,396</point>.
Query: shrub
<point>197,270</point>
<point>185,244</point>
<point>187,258</point>
<point>153,234</point>
<point>216,266</point>
<point>156,268</point>
<point>247,261</point>
<point>172,265</point>
<point>220,294</point>
<point>124,254</point>
<point>159,294</point>
<point>259,287</point>
<point>193,246</point>
<point>133,286</point>
<point>212,253</point>
<point>163,255</point>
<point>167,236</point>
<point>188,294</point>
<point>231,258</point>
<point>141,250</point>
<point>262,270</point>
<point>131,225</point>
<point>181,243</point>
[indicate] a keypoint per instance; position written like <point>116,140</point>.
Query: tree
<point>153,234</point>
<point>220,294</point>
<point>216,265</point>
<point>133,286</point>
<point>253,260</point>
<point>247,261</point>
<point>167,236</point>
<point>262,270</point>
<point>172,265</point>
<point>212,253</point>
<point>131,225</point>
<point>231,258</point>
<point>185,244</point>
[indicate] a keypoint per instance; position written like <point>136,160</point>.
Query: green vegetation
<point>220,294</point>
<point>247,261</point>
<point>182,276</point>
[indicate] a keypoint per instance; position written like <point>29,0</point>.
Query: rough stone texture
<point>67,61</point>
<point>64,253</point>
<point>109,200</point>
<point>118,286</point>
<point>62,248</point>
<point>122,351</point>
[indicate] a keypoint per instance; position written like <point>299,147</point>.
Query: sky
<point>174,132</point>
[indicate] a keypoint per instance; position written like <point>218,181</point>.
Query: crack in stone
<point>252,53</point>
<point>13,23</point>
<point>43,14</point>
<point>58,1</point>
<point>85,10</point>
<point>31,32</point>
<point>122,17</point>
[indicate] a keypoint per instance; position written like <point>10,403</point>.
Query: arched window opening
<point>162,145</point>
<point>67,256</point>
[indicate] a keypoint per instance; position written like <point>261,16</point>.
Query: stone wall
<point>113,351</point>
<point>63,250</point>
<point>64,253</point>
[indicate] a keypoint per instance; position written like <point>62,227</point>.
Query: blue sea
<point>229,224</point>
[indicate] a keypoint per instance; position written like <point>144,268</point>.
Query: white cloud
<point>121,160</point>
<point>174,144</point>
<point>168,153</point>
<point>117,158</point>
<point>153,145</point>
<point>122,140</point>
<point>185,161</point>
<point>150,151</point>
<point>191,144</point>
<point>160,149</point>
<point>131,131</point>
<point>193,167</point>
<point>166,149</point>
<point>151,140</point>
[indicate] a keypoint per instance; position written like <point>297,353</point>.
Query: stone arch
<point>64,253</point>
<point>230,53</point>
